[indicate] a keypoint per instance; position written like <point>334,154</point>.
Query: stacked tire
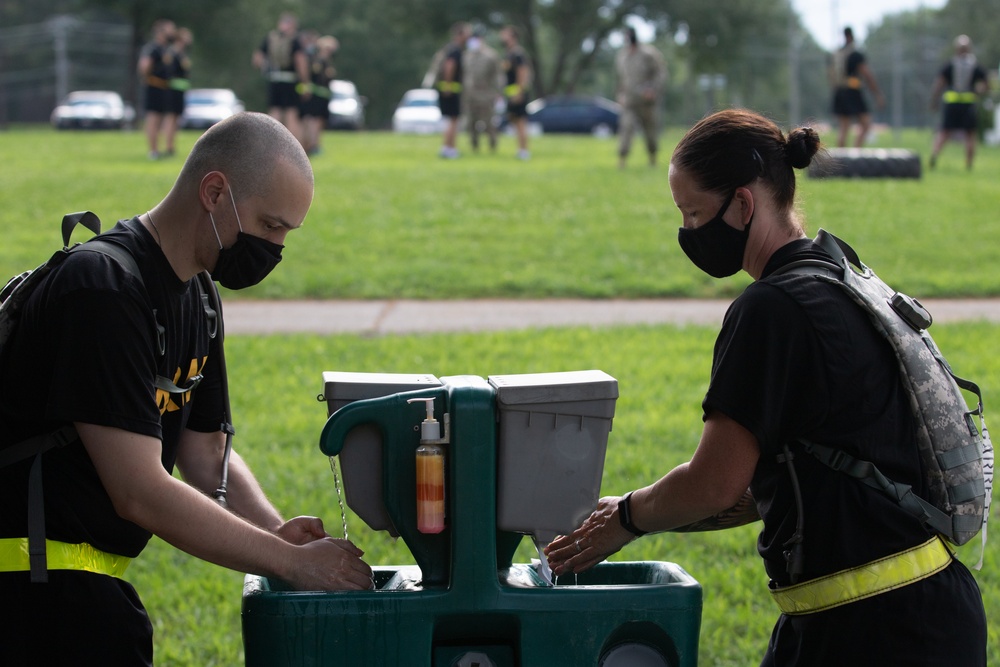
<point>866,163</point>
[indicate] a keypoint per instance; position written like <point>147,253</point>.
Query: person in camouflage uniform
<point>642,74</point>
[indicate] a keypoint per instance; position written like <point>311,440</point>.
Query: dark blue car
<point>588,114</point>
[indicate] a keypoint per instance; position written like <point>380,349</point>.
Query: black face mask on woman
<point>715,247</point>
<point>246,262</point>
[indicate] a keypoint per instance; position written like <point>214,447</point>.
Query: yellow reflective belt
<point>512,90</point>
<point>449,86</point>
<point>61,556</point>
<point>864,581</point>
<point>953,97</point>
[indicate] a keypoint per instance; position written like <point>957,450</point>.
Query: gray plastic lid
<point>561,387</point>
<point>344,385</point>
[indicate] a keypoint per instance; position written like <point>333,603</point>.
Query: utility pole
<point>60,27</point>
<point>794,87</point>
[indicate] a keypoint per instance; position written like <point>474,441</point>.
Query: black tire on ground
<point>866,163</point>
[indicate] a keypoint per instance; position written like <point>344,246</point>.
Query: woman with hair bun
<point>796,360</point>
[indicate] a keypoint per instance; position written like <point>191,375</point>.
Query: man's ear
<point>211,189</point>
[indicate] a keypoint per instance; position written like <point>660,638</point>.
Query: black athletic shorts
<point>450,105</point>
<point>517,109</point>
<point>315,107</point>
<point>157,100</point>
<point>849,102</point>
<point>175,101</point>
<point>75,617</point>
<point>959,116</point>
<point>282,95</point>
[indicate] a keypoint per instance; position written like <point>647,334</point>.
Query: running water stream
<point>340,494</point>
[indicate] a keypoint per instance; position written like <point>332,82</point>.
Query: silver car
<point>204,107</point>
<point>93,109</point>
<point>347,107</point>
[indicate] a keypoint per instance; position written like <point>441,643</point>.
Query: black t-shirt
<point>453,52</point>
<point>86,351</point>
<point>948,74</point>
<point>161,60</point>
<point>513,62</point>
<point>853,63</point>
<point>797,359</point>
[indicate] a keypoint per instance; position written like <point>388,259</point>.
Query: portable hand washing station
<point>462,468</point>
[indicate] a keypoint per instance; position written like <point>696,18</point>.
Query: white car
<point>418,113</point>
<point>93,109</point>
<point>204,107</point>
<point>347,107</point>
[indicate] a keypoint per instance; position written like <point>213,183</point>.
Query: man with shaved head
<point>91,352</point>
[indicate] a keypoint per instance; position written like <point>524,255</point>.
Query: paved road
<point>395,317</point>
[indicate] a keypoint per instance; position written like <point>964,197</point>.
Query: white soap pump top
<point>430,428</point>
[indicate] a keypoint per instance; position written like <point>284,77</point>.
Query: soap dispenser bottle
<point>430,473</point>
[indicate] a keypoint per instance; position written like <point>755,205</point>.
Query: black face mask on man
<point>246,262</point>
<point>715,247</point>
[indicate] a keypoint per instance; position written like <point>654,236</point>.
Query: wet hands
<point>600,536</point>
<point>302,530</point>
<point>323,563</point>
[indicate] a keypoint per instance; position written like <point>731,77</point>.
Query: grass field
<point>390,220</point>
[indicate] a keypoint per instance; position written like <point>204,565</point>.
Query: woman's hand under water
<point>600,536</point>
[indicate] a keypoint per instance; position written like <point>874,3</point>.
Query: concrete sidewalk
<point>397,317</point>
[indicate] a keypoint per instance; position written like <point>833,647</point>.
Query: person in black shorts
<point>315,109</point>
<point>449,86</point>
<point>796,359</point>
<point>848,72</point>
<point>958,86</point>
<point>179,83</point>
<point>517,90</point>
<point>155,68</point>
<point>283,61</point>
<point>86,355</point>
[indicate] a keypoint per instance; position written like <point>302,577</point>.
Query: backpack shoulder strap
<point>213,310</point>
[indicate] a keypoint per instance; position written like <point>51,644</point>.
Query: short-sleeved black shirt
<point>453,52</point>
<point>86,351</point>
<point>797,359</point>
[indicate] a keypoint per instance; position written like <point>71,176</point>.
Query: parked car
<point>575,113</point>
<point>347,107</point>
<point>204,107</point>
<point>418,113</point>
<point>93,109</point>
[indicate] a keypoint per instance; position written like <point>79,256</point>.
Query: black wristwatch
<point>625,516</point>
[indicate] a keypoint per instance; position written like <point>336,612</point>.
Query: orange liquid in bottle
<point>430,489</point>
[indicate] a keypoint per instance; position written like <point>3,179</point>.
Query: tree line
<point>720,52</point>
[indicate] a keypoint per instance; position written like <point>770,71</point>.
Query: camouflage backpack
<point>956,456</point>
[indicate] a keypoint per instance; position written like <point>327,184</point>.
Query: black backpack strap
<point>213,310</point>
<point>902,494</point>
<point>85,218</point>
<point>37,446</point>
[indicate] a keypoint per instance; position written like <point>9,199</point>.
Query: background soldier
<point>848,72</point>
<point>519,74</point>
<point>282,59</point>
<point>962,81</point>
<point>642,74</point>
<point>155,67</point>
<point>481,88</point>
